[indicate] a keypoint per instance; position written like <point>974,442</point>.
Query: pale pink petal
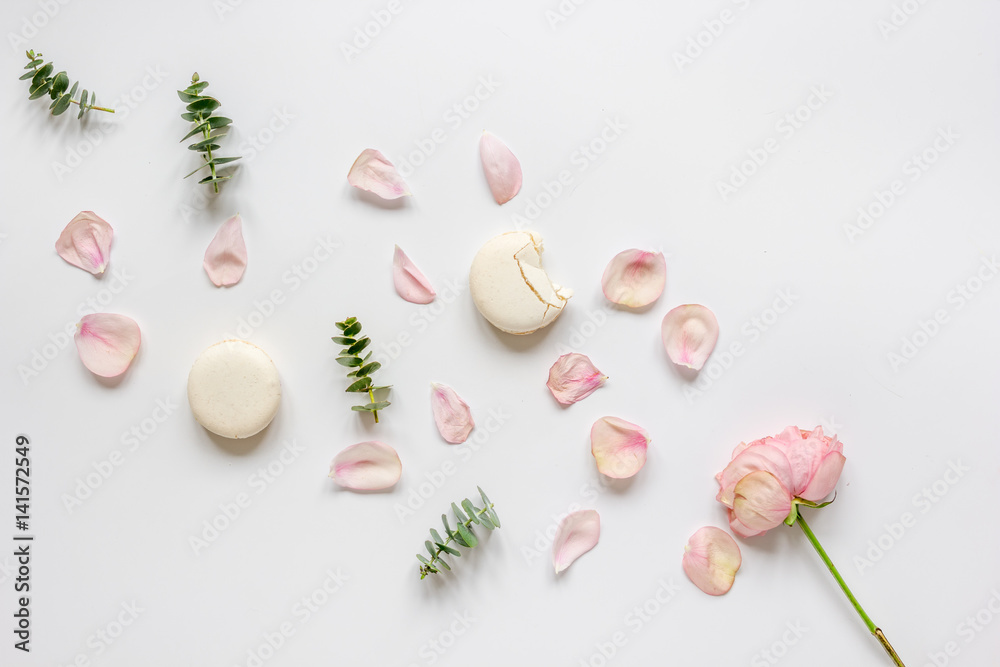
<point>711,560</point>
<point>635,278</point>
<point>503,171</point>
<point>366,466</point>
<point>410,283</point>
<point>825,478</point>
<point>578,534</point>
<point>451,414</point>
<point>737,527</point>
<point>573,378</point>
<point>226,256</point>
<point>757,457</point>
<point>107,343</point>
<point>374,173</point>
<point>689,334</point>
<point>619,447</point>
<point>86,242</point>
<point>761,501</point>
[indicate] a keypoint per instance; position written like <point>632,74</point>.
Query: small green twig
<point>463,535</point>
<point>211,128</point>
<point>56,87</point>
<point>354,344</point>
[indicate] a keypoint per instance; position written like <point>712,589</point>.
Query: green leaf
<point>204,105</point>
<point>360,385</point>
<point>196,130</point>
<point>188,96</point>
<point>361,408</point>
<point>44,72</point>
<point>27,75</point>
<point>189,117</point>
<point>485,520</point>
<point>482,494</point>
<point>493,516</point>
<point>449,550</point>
<point>72,91</point>
<point>458,514</point>
<point>198,86</point>
<point>204,145</point>
<point>350,362</point>
<point>340,340</point>
<point>225,160</point>
<point>443,564</point>
<point>353,329</point>
<point>422,559</point>
<point>60,105</point>
<point>470,509</point>
<point>430,548</point>
<point>39,91</point>
<point>60,83</point>
<point>381,405</point>
<point>219,121</point>
<point>436,536</point>
<point>369,368</point>
<point>199,169</point>
<point>214,179</point>
<point>380,388</point>
<point>468,536</point>
<point>359,345</point>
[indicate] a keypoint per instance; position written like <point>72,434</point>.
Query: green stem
<point>77,103</point>
<point>207,132</point>
<point>872,628</point>
<point>371,397</point>
<point>450,538</point>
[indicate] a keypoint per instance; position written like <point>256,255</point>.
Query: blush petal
<point>689,335</point>
<point>578,533</point>
<point>86,242</point>
<point>226,256</point>
<point>711,560</point>
<point>635,278</point>
<point>502,169</point>
<point>366,466</point>
<point>761,502</point>
<point>107,343</point>
<point>410,283</point>
<point>374,173</point>
<point>618,446</point>
<point>573,378</point>
<point>451,414</point>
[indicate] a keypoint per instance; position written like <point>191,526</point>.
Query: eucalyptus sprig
<point>350,356</point>
<point>42,82</point>
<point>211,128</point>
<point>462,535</point>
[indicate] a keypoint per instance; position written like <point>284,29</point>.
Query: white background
<point>556,86</point>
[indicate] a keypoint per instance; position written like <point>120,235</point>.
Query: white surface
<point>672,134</point>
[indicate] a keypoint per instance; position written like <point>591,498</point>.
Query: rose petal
<point>366,466</point>
<point>689,334</point>
<point>578,533</point>
<point>758,457</point>
<point>86,242</point>
<point>410,283</point>
<point>107,343</point>
<point>226,256</point>
<point>619,447</point>
<point>573,378</point>
<point>739,528</point>
<point>451,414</point>
<point>711,560</point>
<point>761,501</point>
<point>503,171</point>
<point>374,173</point>
<point>635,278</point>
<point>825,478</point>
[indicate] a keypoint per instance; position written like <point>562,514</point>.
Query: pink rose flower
<point>768,478</point>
